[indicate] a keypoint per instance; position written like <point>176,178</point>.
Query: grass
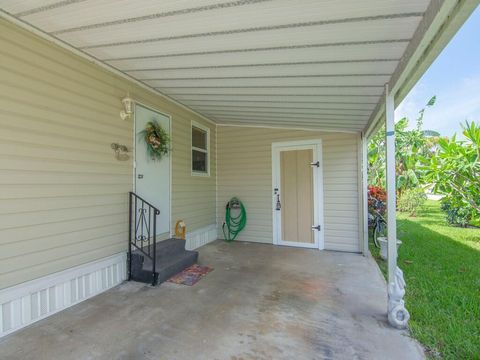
<point>441,265</point>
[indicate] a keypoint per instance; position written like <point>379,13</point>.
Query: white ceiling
<point>304,63</point>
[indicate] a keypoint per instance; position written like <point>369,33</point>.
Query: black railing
<point>142,231</point>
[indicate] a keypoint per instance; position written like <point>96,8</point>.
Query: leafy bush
<point>458,214</point>
<point>411,200</point>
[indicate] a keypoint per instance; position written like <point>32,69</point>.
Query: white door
<point>152,177</point>
<point>298,194</point>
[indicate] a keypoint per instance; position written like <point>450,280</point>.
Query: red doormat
<point>191,275</point>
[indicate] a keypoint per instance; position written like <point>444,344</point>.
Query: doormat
<point>191,275</point>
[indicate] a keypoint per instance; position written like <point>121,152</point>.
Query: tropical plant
<point>409,146</point>
<point>455,171</point>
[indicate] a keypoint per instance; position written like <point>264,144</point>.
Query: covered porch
<point>251,77</point>
<point>260,302</point>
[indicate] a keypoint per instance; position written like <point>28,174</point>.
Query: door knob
<point>140,176</point>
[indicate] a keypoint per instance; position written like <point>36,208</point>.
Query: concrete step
<point>171,258</point>
<point>166,248</point>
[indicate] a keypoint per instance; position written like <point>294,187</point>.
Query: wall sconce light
<point>120,151</point>
<point>126,113</point>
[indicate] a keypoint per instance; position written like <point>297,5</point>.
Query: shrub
<point>455,170</point>
<point>411,200</point>
<point>458,214</point>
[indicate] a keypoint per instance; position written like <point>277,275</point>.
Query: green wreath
<point>156,139</point>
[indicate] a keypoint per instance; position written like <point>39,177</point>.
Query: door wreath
<point>156,139</point>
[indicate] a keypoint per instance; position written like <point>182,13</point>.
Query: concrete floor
<point>260,302</point>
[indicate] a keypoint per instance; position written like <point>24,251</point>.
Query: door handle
<point>140,176</point>
<point>278,207</point>
<point>318,227</point>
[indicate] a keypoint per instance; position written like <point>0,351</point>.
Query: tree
<point>455,169</point>
<point>410,145</point>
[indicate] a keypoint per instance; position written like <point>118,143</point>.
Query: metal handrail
<point>145,201</point>
<point>142,224</point>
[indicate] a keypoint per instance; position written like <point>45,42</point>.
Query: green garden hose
<point>234,223</point>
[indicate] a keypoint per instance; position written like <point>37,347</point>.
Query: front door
<point>152,177</point>
<point>297,193</point>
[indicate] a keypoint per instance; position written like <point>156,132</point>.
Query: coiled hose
<point>234,223</point>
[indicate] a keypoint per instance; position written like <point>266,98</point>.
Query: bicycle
<point>377,221</point>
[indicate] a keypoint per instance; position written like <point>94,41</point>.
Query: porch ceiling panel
<point>231,56</point>
<point>319,64</point>
<point>374,66</point>
<point>304,92</point>
<point>280,105</point>
<point>303,34</point>
<point>279,81</point>
<point>344,100</point>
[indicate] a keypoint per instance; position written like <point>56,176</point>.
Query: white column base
<point>398,315</point>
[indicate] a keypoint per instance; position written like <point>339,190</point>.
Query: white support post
<point>391,185</point>
<point>364,187</point>
<point>398,316</point>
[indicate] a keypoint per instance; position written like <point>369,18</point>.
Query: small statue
<point>398,315</point>
<point>180,229</point>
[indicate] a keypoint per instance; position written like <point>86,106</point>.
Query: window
<point>200,161</point>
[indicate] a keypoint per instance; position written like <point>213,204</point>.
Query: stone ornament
<point>398,315</point>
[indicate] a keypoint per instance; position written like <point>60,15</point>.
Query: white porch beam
<point>398,316</point>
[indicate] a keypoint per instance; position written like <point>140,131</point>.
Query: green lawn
<point>441,265</point>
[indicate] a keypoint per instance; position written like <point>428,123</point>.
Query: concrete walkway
<point>260,302</point>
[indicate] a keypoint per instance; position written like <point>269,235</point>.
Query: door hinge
<point>317,164</point>
<point>318,227</point>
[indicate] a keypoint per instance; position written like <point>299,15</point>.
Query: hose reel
<point>235,219</point>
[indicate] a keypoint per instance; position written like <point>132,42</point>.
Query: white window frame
<point>207,151</point>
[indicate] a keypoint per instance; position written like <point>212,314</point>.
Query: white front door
<point>298,194</point>
<point>152,177</point>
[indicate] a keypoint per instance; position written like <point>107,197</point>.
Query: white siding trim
<point>201,237</point>
<point>26,303</point>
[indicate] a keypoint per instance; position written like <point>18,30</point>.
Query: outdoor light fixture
<point>126,113</point>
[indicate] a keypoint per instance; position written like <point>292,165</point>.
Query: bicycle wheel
<point>380,230</point>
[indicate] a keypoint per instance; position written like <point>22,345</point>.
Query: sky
<point>454,77</point>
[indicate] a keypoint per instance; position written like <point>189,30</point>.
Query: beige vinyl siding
<point>245,170</point>
<point>63,195</point>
